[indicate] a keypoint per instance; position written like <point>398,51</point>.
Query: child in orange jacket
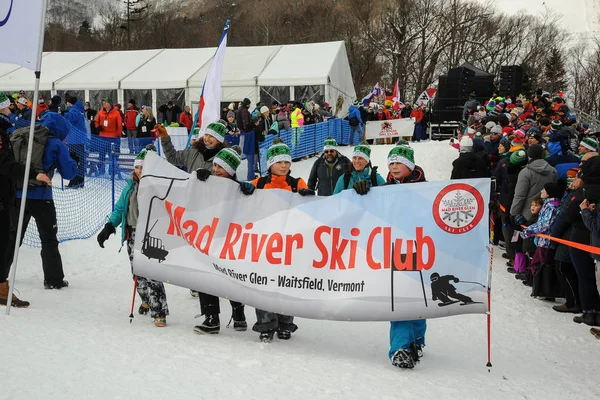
<point>279,161</point>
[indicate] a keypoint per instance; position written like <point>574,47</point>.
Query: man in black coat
<point>170,113</point>
<point>469,164</point>
<point>327,169</point>
<point>569,224</point>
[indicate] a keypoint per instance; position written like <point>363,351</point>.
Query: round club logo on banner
<point>458,208</point>
<point>7,15</point>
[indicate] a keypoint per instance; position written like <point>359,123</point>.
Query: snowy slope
<point>78,343</point>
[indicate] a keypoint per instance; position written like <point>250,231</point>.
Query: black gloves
<point>103,236</point>
<point>456,280</point>
<point>247,188</point>
<point>202,174</point>
<point>362,187</point>
<point>519,220</point>
<point>306,192</point>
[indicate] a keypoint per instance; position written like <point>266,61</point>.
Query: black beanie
<point>71,99</point>
<point>132,101</point>
<point>536,152</point>
<point>554,190</point>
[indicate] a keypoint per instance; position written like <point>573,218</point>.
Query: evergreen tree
<point>555,72</point>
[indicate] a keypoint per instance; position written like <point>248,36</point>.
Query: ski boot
<point>239,319</point>
<point>211,325</point>
<point>266,337</point>
<point>283,334</point>
<point>144,308</point>
<point>55,285</point>
<point>403,359</point>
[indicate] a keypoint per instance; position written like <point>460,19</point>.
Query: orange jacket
<point>280,182</point>
<point>111,123</point>
<point>40,108</point>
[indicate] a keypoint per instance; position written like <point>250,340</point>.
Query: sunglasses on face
<point>329,151</point>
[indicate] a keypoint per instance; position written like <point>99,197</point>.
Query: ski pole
<point>476,283</point>
<point>133,299</point>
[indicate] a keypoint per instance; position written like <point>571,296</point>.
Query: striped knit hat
<point>362,150</point>
<point>402,154</point>
<point>278,151</point>
<point>217,130</point>
<point>330,144</point>
<point>229,159</point>
<point>4,101</point>
<point>589,143</point>
<point>141,156</point>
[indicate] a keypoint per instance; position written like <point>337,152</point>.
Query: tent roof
<point>54,66</point>
<point>107,71</point>
<point>173,67</point>
<point>281,65</point>
<point>241,67</point>
<point>301,64</point>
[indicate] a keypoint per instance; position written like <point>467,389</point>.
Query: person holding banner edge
<point>407,338</point>
<point>152,293</point>
<point>279,161</point>
<point>224,165</point>
<point>200,156</point>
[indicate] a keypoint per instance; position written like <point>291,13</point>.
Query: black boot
<point>55,285</point>
<point>144,308</point>
<point>239,319</point>
<point>266,337</point>
<point>210,325</point>
<point>588,318</point>
<point>283,334</point>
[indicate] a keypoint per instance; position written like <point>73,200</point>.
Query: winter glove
<point>456,280</point>
<point>202,174</point>
<point>103,236</point>
<point>247,188</point>
<point>519,220</point>
<point>362,187</point>
<point>99,128</point>
<point>162,131</point>
<point>306,192</point>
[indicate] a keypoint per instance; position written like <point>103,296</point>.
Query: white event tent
<point>314,71</point>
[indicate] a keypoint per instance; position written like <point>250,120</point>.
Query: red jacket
<point>40,108</point>
<point>130,117</point>
<point>110,123</point>
<point>186,120</point>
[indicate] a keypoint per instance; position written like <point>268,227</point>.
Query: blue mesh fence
<point>308,140</point>
<point>81,211</point>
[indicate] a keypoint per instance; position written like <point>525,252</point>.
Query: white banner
<point>20,27</point>
<point>390,128</point>
<point>399,252</point>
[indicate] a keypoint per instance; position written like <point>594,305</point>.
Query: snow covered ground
<point>78,343</point>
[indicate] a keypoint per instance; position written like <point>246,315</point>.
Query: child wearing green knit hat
<point>401,163</point>
<point>362,176</point>
<point>125,214</point>
<point>407,338</point>
<point>279,161</point>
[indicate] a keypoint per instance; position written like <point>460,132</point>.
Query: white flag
<point>21,22</point>
<point>210,99</point>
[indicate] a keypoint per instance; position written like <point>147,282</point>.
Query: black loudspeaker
<point>511,80</point>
